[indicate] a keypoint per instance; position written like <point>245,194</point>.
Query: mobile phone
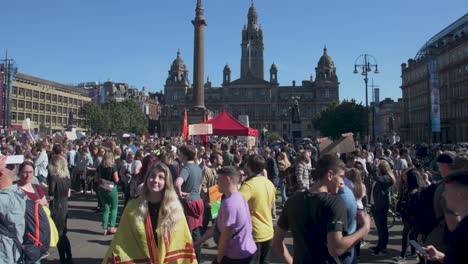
<point>418,247</point>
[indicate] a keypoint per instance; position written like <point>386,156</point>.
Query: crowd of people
<point>325,201</point>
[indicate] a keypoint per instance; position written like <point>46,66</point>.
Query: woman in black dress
<point>59,192</point>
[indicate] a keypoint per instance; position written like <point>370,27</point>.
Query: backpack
<point>291,181</point>
<point>421,210</point>
<point>36,238</point>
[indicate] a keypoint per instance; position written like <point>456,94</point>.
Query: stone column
<point>199,24</point>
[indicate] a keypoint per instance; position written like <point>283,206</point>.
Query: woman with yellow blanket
<point>153,229</point>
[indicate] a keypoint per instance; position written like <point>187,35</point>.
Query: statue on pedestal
<point>295,114</point>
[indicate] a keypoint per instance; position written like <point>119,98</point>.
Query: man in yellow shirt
<point>259,193</point>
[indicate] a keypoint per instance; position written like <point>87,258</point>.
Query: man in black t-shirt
<point>456,190</point>
<point>317,219</point>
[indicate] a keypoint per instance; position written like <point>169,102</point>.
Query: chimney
<point>294,83</point>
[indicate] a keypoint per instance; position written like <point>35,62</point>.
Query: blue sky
<point>136,41</point>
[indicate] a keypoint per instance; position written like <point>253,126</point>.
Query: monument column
<point>199,24</point>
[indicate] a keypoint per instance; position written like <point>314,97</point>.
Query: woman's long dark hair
<point>414,180</point>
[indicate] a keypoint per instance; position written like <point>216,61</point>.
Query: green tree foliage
<point>344,117</point>
<point>112,117</point>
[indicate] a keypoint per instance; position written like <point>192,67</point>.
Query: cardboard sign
<point>15,159</point>
<point>200,129</point>
<point>70,135</point>
<point>343,145</point>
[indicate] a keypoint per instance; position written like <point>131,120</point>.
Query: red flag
<point>205,137</point>
<point>185,127</point>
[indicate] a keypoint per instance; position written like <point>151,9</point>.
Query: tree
<point>337,119</point>
<point>93,116</point>
<point>112,117</point>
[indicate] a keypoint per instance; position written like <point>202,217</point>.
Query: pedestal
<point>196,115</point>
<point>296,131</point>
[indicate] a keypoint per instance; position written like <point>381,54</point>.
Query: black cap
<point>446,157</point>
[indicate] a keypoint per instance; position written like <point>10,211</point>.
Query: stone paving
<point>89,245</point>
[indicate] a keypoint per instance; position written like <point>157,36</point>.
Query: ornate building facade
<point>266,103</point>
<point>435,88</point>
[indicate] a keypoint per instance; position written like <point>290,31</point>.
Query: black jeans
<point>262,254</point>
<point>404,239</point>
<point>64,249</point>
<point>380,218</point>
<point>196,235</point>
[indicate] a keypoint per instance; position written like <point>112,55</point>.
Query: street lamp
<point>366,64</point>
<point>7,71</point>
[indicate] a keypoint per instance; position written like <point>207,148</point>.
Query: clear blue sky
<point>136,41</point>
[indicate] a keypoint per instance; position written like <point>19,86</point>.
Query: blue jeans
<point>41,179</point>
<point>283,187</point>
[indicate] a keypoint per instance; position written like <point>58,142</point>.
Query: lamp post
<point>366,64</point>
<point>7,71</point>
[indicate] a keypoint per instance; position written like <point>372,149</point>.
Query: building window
<point>41,118</point>
<point>48,97</point>
<point>41,107</point>
<point>28,105</point>
<point>54,98</point>
<point>59,99</point>
<point>54,109</point>
<point>35,94</point>
<point>47,119</point>
<point>21,92</point>
<point>20,116</point>
<point>35,118</point>
<point>28,93</point>
<point>15,90</point>
<point>41,96</point>
<point>48,108</point>
<point>65,110</point>
<point>35,106</point>
<point>21,104</point>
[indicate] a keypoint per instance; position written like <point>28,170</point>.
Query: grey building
<point>266,102</point>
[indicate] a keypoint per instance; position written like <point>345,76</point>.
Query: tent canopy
<point>226,125</point>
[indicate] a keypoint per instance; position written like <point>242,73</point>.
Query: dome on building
<point>252,9</point>
<point>144,92</point>
<point>273,67</point>
<point>325,60</point>
<point>178,62</point>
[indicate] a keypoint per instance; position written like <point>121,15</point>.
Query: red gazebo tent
<point>226,125</point>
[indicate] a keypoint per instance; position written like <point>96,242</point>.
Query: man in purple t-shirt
<point>233,225</point>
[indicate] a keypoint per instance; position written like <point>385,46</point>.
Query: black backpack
<point>36,238</point>
<point>421,210</point>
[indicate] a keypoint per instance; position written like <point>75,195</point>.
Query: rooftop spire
<point>252,16</point>
<point>325,50</point>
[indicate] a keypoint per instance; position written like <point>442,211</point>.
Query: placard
<point>343,145</point>
<point>200,129</point>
